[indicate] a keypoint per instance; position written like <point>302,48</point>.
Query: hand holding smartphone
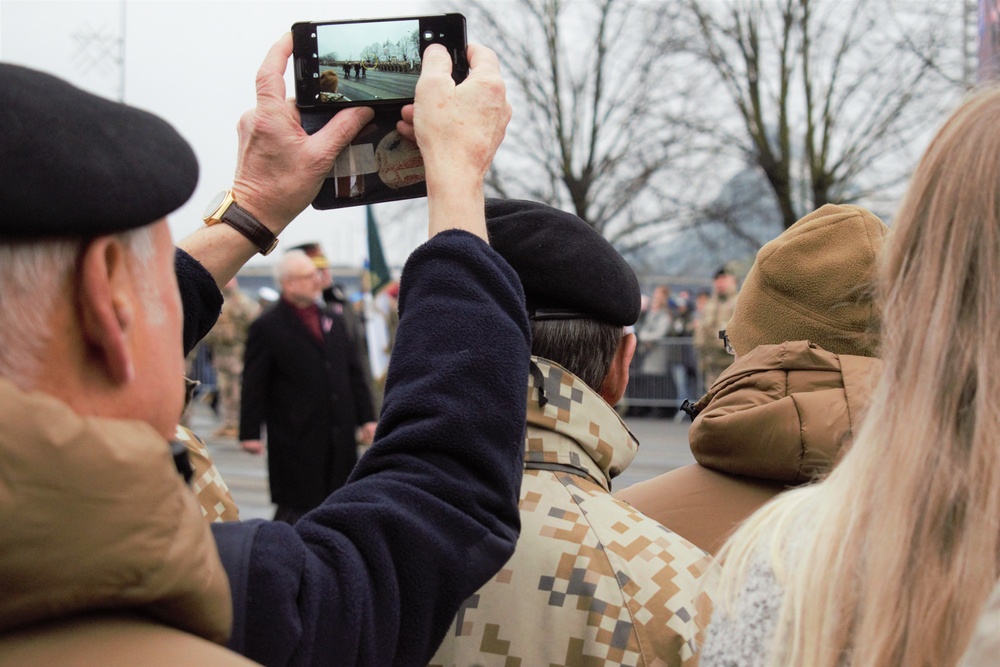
<point>372,63</point>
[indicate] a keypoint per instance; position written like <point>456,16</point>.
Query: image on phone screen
<point>376,61</point>
<point>370,62</point>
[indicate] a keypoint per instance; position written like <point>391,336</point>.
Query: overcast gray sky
<point>193,63</point>
<point>348,41</point>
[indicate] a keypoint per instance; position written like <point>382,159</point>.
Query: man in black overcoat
<point>303,380</point>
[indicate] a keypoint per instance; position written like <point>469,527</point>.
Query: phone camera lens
<point>428,35</point>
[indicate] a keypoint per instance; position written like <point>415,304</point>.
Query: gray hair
<point>32,276</point>
<point>586,348</point>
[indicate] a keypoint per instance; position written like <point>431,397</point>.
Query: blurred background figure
<point>227,341</point>
<point>652,331</point>
<point>267,297</point>
<point>355,318</point>
<point>683,359</point>
<point>712,355</point>
<point>304,381</point>
<point>337,300</point>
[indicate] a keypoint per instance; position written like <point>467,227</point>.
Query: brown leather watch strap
<point>243,221</point>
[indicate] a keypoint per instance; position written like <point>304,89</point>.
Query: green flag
<point>378,270</point>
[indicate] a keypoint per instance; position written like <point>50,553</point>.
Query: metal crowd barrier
<point>200,368</point>
<point>676,379</point>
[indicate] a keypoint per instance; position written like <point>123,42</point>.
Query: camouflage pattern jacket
<point>592,581</point>
<point>229,335</point>
<point>209,487</point>
<point>716,315</point>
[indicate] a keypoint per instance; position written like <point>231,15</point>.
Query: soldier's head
<point>581,294</point>
<point>724,282</point>
<point>89,307</point>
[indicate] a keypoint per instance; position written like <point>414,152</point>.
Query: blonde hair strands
<point>900,545</point>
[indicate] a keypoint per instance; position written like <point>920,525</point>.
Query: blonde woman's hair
<point>890,559</point>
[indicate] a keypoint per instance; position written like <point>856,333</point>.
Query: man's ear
<point>106,307</point>
<point>613,387</point>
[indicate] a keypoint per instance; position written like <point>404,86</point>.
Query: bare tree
<point>590,83</point>
<point>370,52</point>
<point>834,97</point>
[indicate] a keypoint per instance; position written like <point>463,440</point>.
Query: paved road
<point>663,447</point>
<point>375,85</point>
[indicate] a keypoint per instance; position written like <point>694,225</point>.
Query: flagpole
<point>121,56</point>
<point>377,324</point>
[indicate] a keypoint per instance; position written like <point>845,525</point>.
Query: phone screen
<point>369,62</point>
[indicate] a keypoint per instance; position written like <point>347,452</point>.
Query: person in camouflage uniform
<point>227,340</point>
<point>213,493</point>
<point>592,581</point>
<point>216,501</point>
<point>712,356</point>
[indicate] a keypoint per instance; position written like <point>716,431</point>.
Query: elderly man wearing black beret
<point>104,555</point>
<point>592,580</point>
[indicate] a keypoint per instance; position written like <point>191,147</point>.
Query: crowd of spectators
<point>843,510</point>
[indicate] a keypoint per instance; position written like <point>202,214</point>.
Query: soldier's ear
<point>615,382</point>
<point>106,306</point>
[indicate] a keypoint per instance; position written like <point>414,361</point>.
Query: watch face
<point>214,204</point>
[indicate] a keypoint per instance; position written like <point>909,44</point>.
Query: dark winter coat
<point>311,396</point>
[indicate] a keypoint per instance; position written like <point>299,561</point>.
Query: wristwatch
<point>223,208</point>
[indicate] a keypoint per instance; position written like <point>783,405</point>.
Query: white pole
<point>121,56</point>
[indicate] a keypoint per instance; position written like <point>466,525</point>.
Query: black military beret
<point>75,164</point>
<point>566,268</point>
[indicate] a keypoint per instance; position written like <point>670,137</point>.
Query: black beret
<point>75,164</point>
<point>563,263</point>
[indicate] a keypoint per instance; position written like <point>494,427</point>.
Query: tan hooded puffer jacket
<point>783,412</point>
<point>777,417</point>
<point>104,556</point>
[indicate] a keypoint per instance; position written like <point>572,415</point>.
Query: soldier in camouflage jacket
<point>228,340</point>
<point>713,359</point>
<point>592,581</point>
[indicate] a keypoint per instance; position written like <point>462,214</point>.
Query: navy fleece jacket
<point>201,298</point>
<point>376,574</point>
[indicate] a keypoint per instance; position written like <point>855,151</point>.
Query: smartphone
<point>370,62</point>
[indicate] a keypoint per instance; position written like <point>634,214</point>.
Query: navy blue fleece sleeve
<point>376,574</point>
<point>200,297</point>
